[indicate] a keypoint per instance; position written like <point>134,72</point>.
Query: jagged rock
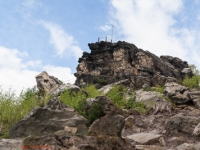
<point>177,93</point>
<point>174,141</point>
<point>57,91</point>
<point>107,125</point>
<point>195,97</point>
<point>130,127</point>
<point>144,138</point>
<point>162,106</point>
<point>187,72</point>
<point>46,83</point>
<point>47,120</point>
<point>78,142</point>
<point>110,62</point>
<point>182,123</point>
<point>189,146</point>
<point>149,98</point>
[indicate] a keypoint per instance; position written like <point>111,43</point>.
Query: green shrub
<point>13,108</point>
<point>191,82</point>
<point>78,102</point>
<point>160,88</point>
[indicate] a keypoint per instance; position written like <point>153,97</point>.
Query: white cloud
<point>62,73</point>
<point>105,27</point>
<point>151,25</point>
<point>17,74</point>
<point>64,43</point>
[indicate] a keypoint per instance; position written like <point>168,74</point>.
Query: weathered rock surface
<point>177,93</point>
<point>46,83</point>
<point>110,62</point>
<point>189,146</point>
<point>11,144</point>
<point>57,91</point>
<point>55,116</point>
<point>144,138</point>
<point>108,125</point>
<point>182,123</point>
<point>149,98</point>
<point>195,97</point>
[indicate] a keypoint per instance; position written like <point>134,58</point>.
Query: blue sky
<point>37,35</point>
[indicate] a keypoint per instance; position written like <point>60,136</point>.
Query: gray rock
<point>55,116</point>
<point>107,125</point>
<point>147,97</point>
<point>57,91</point>
<point>46,83</point>
<point>177,93</point>
<point>189,146</point>
<point>181,123</point>
<point>187,72</point>
<point>144,138</point>
<point>11,144</point>
<point>195,97</point>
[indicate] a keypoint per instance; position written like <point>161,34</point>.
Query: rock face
<point>46,83</point>
<point>55,116</point>
<point>110,62</point>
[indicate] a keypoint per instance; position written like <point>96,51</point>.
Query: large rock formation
<point>111,62</point>
<point>49,119</point>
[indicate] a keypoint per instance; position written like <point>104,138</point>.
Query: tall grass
<point>191,82</point>
<point>13,108</point>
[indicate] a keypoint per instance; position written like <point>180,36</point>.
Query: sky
<point>46,35</point>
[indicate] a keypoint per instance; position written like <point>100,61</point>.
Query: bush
<point>13,108</point>
<point>191,82</point>
<point>78,102</point>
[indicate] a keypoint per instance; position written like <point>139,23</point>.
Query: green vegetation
<point>118,95</point>
<point>194,81</point>
<point>13,108</point>
<point>78,102</point>
<point>191,82</point>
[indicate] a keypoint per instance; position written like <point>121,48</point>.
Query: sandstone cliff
<point>111,62</point>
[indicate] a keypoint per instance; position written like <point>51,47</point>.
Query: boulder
<point>187,72</point>
<point>195,97</point>
<point>177,93</point>
<point>47,120</point>
<point>107,125</point>
<point>149,98</point>
<point>181,123</point>
<point>144,138</point>
<point>189,146</point>
<point>46,83</point>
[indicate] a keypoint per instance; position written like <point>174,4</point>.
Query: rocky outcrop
<point>55,116</point>
<point>110,62</point>
<point>46,83</point>
<point>53,86</point>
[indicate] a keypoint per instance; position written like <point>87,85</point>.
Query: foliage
<point>194,81</point>
<point>78,101</point>
<point>191,82</point>
<point>118,95</point>
<point>13,108</point>
<point>159,89</point>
